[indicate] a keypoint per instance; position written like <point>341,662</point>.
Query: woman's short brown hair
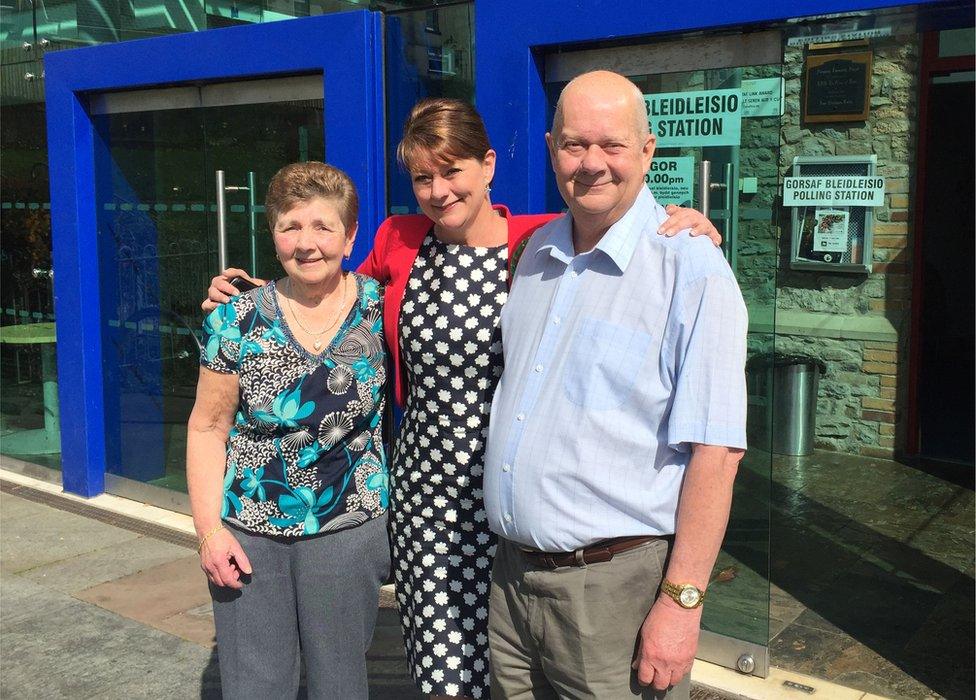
<point>444,129</point>
<point>299,183</point>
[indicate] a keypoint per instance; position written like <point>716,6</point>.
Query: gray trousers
<point>315,597</point>
<point>570,633</point>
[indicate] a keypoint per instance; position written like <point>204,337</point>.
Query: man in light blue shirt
<point>617,426</point>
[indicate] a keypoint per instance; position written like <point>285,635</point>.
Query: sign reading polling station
<point>854,191</point>
<point>696,118</point>
<point>671,180</point>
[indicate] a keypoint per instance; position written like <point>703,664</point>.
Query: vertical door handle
<point>727,187</point>
<point>221,223</point>
<point>252,219</point>
<point>705,187</point>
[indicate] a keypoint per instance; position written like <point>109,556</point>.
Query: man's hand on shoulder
<point>667,645</point>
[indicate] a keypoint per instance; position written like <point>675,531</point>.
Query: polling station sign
<point>695,118</point>
<point>671,180</point>
<point>850,191</point>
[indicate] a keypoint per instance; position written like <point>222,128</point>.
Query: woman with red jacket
<point>446,275</point>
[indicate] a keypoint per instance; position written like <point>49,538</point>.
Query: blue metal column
<point>346,48</point>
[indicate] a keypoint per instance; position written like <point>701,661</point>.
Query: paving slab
<point>65,648</point>
<point>160,597</point>
<point>389,678</point>
<point>12,508</point>
<point>106,564</point>
<point>53,535</point>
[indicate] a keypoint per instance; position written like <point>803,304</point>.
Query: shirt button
<point>538,368</point>
<point>508,517</point>
<point>520,417</point>
<point>506,467</point>
<point>556,320</point>
<point>575,273</point>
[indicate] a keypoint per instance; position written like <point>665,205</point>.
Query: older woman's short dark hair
<point>300,183</point>
<point>444,129</point>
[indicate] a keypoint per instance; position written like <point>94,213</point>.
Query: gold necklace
<point>317,342</point>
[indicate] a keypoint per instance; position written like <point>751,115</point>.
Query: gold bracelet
<point>206,537</point>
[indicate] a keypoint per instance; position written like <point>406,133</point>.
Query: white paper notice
<point>830,231</point>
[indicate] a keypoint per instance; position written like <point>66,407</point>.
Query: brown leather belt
<point>604,550</point>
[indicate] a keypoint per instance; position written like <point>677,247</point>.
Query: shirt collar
<point>560,242</point>
<point>618,243</point>
<point>620,240</point>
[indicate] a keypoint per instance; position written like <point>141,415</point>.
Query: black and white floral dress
<point>451,351</point>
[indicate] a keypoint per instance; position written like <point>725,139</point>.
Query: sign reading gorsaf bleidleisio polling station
<point>697,118</point>
<point>834,190</point>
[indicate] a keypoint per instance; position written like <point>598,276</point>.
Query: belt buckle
<point>578,558</point>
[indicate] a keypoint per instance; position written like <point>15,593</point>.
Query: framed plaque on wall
<point>837,87</point>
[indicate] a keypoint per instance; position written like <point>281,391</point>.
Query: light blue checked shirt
<point>616,361</point>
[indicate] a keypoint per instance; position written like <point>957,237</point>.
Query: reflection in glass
<point>29,414</point>
<point>158,249</point>
<point>428,54</point>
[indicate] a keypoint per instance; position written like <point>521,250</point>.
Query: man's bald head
<point>603,85</point>
<point>600,149</point>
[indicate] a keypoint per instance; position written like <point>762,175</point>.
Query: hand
<point>668,641</point>
<point>681,218</point>
<point>221,290</point>
<point>223,560</point>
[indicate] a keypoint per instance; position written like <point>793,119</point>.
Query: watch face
<point>689,597</point>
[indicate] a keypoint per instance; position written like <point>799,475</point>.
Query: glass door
<point>716,118</point>
<point>159,237</point>
<point>29,412</point>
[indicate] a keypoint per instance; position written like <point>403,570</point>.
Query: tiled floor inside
<point>870,569</point>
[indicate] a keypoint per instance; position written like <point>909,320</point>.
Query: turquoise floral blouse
<point>305,454</point>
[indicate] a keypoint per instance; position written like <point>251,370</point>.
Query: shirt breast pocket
<point>603,363</point>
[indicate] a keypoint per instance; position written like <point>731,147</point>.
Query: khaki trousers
<point>570,633</point>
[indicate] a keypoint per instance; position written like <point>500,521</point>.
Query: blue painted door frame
<point>346,48</point>
<point>512,37</point>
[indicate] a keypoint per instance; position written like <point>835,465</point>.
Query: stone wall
<point>861,401</point>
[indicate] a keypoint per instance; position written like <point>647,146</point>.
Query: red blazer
<point>395,248</point>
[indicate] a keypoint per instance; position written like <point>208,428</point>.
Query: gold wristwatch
<point>686,595</point>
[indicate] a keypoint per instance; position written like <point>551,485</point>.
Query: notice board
<point>832,199</point>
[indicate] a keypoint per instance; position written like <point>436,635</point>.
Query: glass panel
<point>16,33</point>
<point>744,181</point>
<point>28,374</point>
<point>158,237</point>
<point>154,200</point>
<point>282,133</point>
<point>428,54</point>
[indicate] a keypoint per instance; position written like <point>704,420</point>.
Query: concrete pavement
<point>95,603</point>
<point>90,609</point>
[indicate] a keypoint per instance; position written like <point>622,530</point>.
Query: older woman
<point>446,275</point>
<point>285,462</point>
